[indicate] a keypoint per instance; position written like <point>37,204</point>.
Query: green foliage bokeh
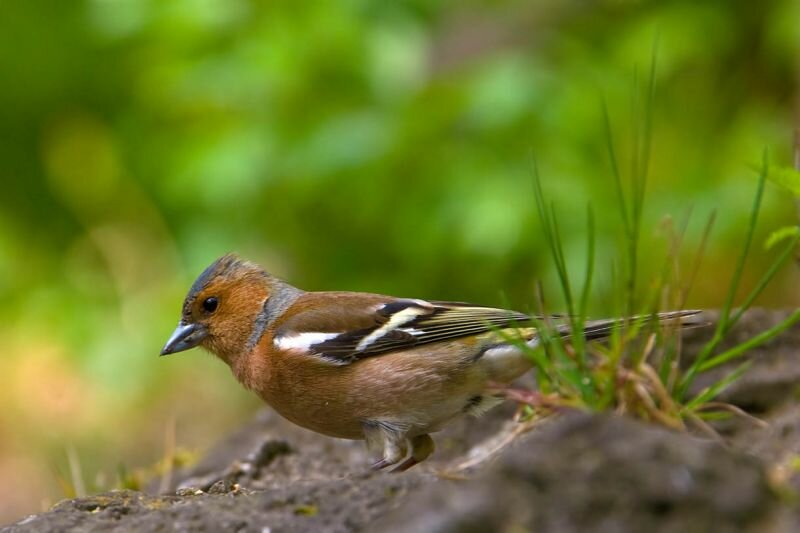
<point>383,147</point>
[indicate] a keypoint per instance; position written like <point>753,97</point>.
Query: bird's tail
<point>600,329</point>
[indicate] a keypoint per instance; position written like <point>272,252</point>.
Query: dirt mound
<point>575,472</point>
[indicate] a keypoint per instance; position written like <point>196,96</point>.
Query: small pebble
<point>188,491</point>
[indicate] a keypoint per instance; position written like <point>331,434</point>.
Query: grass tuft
<point>639,371</point>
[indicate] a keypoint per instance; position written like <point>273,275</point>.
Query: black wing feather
<point>434,322</point>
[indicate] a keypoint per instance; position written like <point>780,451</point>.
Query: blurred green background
<point>378,146</point>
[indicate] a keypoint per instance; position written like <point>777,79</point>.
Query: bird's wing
<point>342,328</point>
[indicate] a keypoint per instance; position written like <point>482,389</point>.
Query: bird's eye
<point>210,304</point>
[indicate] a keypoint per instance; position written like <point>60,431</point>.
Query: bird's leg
<point>388,439</point>
<point>392,454</point>
<point>421,447</point>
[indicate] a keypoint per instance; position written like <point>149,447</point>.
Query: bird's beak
<point>184,337</point>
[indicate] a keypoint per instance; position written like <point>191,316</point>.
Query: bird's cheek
<point>212,344</point>
<point>212,340</point>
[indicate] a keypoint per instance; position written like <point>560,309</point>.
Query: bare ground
<point>575,472</point>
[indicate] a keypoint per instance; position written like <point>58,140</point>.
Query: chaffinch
<point>357,365</point>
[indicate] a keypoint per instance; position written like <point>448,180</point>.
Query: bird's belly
<point>347,419</point>
<point>322,414</point>
<point>339,400</point>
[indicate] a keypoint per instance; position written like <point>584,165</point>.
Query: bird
<point>354,365</point>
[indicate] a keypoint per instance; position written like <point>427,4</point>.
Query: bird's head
<point>221,309</point>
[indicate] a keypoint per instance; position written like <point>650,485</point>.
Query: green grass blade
<point>751,343</point>
<point>773,269</point>
<point>612,155</point>
<point>552,237</point>
<point>709,393</point>
<point>561,264</point>
<point>737,276</point>
<point>579,341</point>
<point>722,325</point>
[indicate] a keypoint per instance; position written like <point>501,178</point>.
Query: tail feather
<point>600,329</point>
